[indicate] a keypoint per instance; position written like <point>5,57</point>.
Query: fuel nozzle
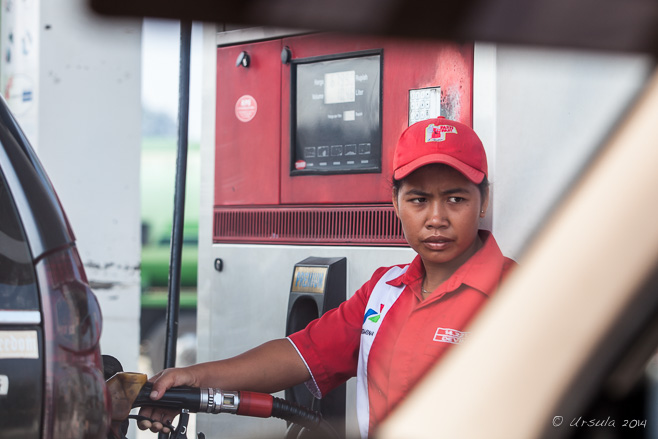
<point>203,400</point>
<point>129,390</point>
<point>211,400</point>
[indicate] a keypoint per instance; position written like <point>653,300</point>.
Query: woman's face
<point>440,210</point>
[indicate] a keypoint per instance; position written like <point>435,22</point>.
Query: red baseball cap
<point>440,141</point>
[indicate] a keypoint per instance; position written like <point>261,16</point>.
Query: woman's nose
<point>437,217</point>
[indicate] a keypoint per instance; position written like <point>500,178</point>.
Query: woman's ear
<point>485,203</point>
<point>395,203</point>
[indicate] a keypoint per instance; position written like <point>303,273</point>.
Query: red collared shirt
<point>411,337</point>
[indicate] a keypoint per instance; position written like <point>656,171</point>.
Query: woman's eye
<point>456,199</point>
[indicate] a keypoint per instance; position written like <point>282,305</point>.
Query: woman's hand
<point>161,418</point>
<point>268,368</point>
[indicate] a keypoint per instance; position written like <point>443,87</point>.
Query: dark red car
<point>51,375</point>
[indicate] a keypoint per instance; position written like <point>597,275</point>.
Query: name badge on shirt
<point>447,335</point>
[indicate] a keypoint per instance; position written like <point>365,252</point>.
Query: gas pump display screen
<point>336,115</point>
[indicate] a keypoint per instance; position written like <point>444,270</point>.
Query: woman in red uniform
<point>400,322</point>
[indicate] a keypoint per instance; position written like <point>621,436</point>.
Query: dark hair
<point>396,184</point>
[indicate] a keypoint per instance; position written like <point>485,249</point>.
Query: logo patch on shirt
<point>447,335</point>
<point>437,133</point>
<point>373,315</point>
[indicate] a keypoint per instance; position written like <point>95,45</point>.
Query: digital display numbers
<point>339,87</point>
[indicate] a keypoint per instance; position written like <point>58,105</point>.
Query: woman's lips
<point>437,242</point>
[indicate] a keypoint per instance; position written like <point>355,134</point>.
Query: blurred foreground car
<point>51,379</point>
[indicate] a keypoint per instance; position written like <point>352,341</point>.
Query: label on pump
<point>309,279</point>
<point>245,108</point>
<point>424,103</point>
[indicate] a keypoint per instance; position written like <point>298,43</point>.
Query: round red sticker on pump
<point>245,108</point>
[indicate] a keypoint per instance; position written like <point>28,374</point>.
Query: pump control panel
<point>336,114</point>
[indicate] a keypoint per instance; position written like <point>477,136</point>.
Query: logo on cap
<point>437,133</point>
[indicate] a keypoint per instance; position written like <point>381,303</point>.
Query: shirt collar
<point>482,271</point>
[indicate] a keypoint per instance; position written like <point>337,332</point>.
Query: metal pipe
<point>173,304</point>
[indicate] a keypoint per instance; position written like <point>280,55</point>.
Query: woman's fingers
<point>169,378</point>
<point>160,419</point>
<point>157,427</point>
<point>156,419</point>
<point>146,412</point>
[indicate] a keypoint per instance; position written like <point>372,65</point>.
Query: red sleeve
<point>330,345</point>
